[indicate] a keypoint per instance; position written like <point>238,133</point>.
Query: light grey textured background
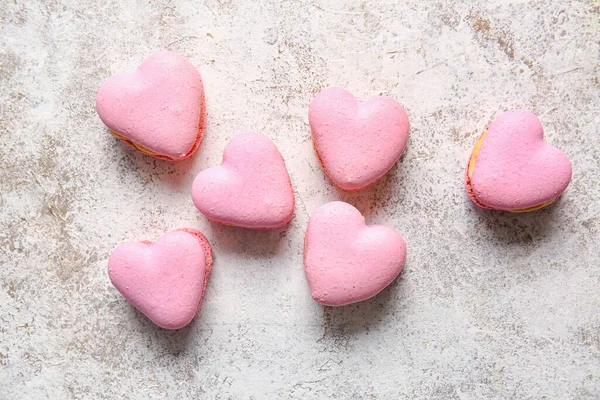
<point>491,305</point>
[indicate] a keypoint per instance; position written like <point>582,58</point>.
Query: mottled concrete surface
<point>490,305</point>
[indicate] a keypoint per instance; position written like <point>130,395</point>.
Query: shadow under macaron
<point>516,228</point>
<point>174,174</point>
<point>376,195</point>
<point>256,243</point>
<point>171,341</point>
<point>339,322</point>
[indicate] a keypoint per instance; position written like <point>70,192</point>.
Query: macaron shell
<point>514,169</point>
<point>347,261</point>
<point>357,142</point>
<point>164,280</point>
<point>208,256</point>
<point>251,188</point>
<point>160,107</point>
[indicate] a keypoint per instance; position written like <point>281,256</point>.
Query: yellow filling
<point>475,153</point>
<point>533,208</point>
<point>137,146</point>
<point>471,167</point>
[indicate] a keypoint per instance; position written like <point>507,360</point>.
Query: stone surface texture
<point>491,305</point>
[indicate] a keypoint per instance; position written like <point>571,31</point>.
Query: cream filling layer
<point>137,146</point>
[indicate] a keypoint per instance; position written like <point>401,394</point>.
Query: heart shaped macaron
<point>347,261</point>
<point>357,142</point>
<point>251,188</point>
<point>512,169</point>
<point>165,280</point>
<point>159,110</point>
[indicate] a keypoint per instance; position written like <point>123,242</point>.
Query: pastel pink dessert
<point>251,188</point>
<point>159,109</point>
<point>512,169</point>
<point>357,142</point>
<point>165,280</point>
<point>347,261</point>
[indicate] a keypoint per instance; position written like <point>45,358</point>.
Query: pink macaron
<point>250,189</point>
<point>512,169</point>
<point>159,109</point>
<point>357,142</point>
<point>347,261</point>
<point>165,280</point>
